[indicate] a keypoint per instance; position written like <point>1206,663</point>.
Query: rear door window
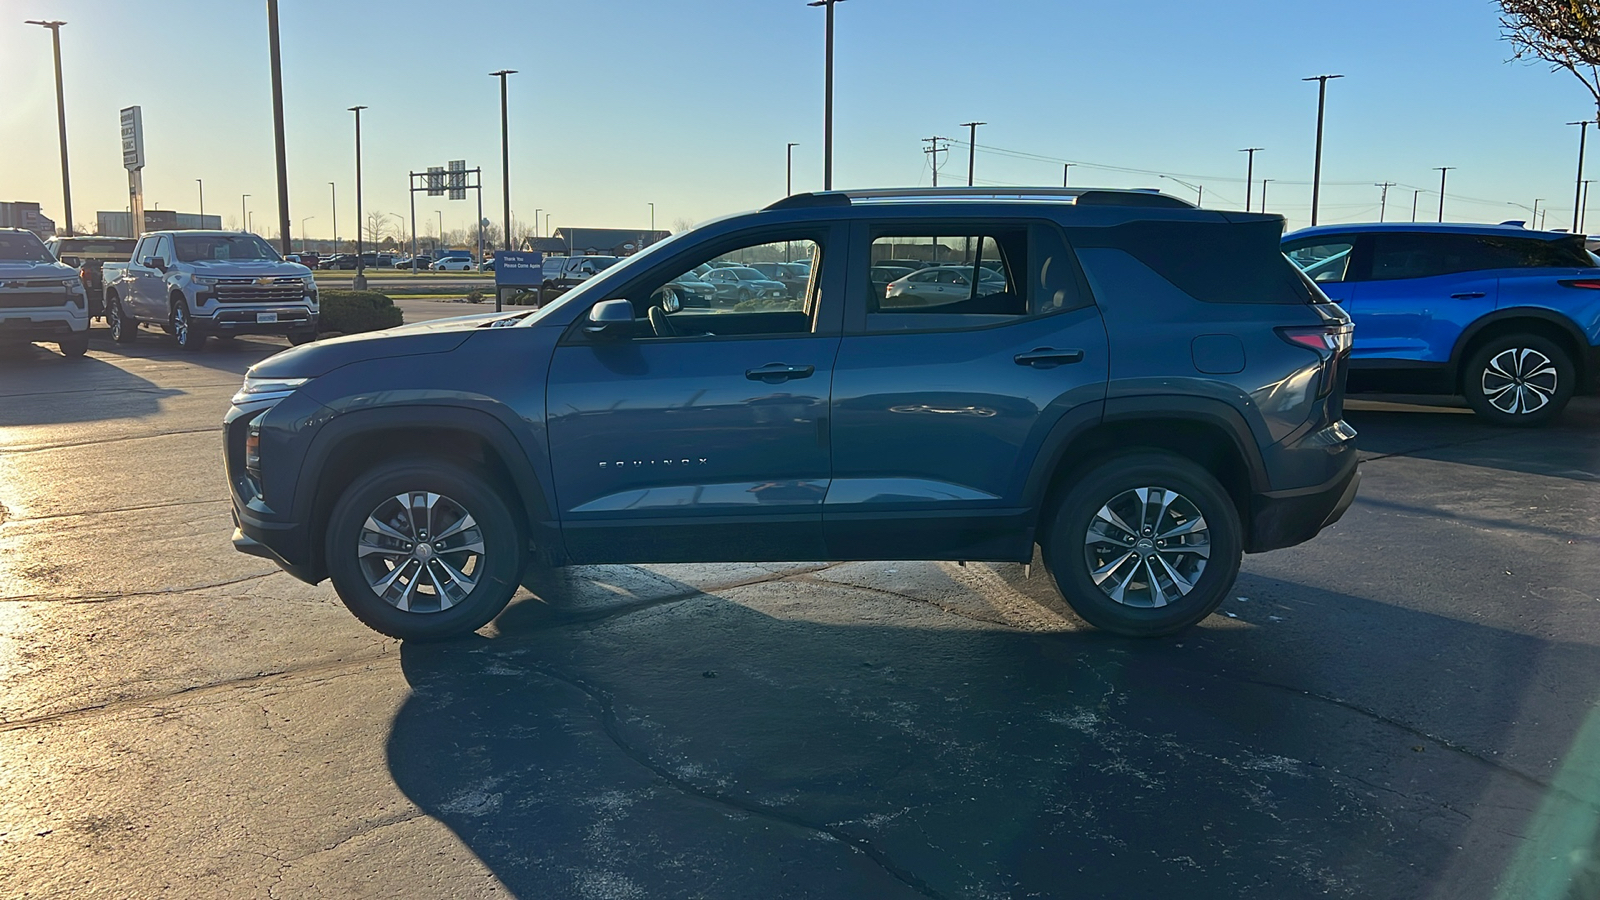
<point>1326,261</point>
<point>1401,255</point>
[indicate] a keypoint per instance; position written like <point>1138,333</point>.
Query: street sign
<point>436,181</point>
<point>518,268</point>
<point>132,139</point>
<point>458,179</point>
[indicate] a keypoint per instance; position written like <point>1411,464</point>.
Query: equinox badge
<point>640,463</point>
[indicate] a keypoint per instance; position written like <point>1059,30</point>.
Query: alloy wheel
<point>1147,547</point>
<point>421,552</point>
<point>1519,380</point>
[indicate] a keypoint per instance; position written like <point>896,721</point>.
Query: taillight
<point>1322,338</point>
<point>1591,284</point>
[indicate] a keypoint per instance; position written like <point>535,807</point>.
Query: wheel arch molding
<point>1534,319</point>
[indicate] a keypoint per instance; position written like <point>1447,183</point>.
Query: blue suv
<point>1507,317</point>
<point>1146,391</point>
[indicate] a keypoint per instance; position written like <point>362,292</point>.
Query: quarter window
<point>1325,263</point>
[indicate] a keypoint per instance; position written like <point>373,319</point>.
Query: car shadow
<point>1567,448</point>
<point>33,378</point>
<point>803,740</point>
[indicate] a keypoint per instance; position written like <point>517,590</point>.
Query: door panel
<point>1418,319</point>
<point>667,450</point>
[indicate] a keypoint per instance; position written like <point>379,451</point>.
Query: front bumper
<point>44,323</point>
<point>291,320</point>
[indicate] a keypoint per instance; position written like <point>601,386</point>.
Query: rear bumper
<point>1285,518</point>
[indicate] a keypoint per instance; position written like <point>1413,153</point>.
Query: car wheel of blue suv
<point>421,549</point>
<point>1519,380</point>
<point>1145,545</point>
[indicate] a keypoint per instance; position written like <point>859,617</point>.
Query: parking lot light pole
<point>1264,182</point>
<point>360,282</point>
<point>1066,168</point>
<point>244,212</point>
<point>827,97</point>
<point>303,232</point>
<point>1249,174</point>
<point>972,147</point>
<point>788,168</point>
<point>536,212</point>
<point>333,198</point>
<point>61,120</point>
<point>277,125</point>
<point>202,202</point>
<point>1443,170</point>
<point>1322,106</point>
<point>1577,196</point>
<point>1414,195</point>
<point>1533,220</point>
<point>505,155</point>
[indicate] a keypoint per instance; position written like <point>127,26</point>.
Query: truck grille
<point>251,290</point>
<point>32,299</point>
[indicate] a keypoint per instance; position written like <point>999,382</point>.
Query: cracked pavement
<point>1404,707</point>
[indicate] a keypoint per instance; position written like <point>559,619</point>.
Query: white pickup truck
<point>40,299</point>
<point>194,284</point>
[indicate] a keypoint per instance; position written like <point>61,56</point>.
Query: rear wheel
<point>1145,545</point>
<point>421,549</point>
<point>1519,380</point>
<point>123,329</point>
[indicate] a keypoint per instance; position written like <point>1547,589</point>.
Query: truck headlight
<point>73,285</point>
<point>257,390</point>
<point>202,279</point>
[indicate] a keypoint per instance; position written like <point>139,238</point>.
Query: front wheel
<point>420,549</point>
<point>1145,545</point>
<point>123,328</point>
<point>1519,380</point>
<point>296,338</point>
<point>189,338</point>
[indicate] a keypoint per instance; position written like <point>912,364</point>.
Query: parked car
<point>881,276</point>
<point>578,269</point>
<point>912,264</point>
<point>88,254</point>
<point>553,266</point>
<point>41,297</point>
<point>942,284</point>
<point>423,262</point>
<point>792,276</point>
<point>195,284</point>
<point>736,284</point>
<point>453,264</point>
<point>338,261</point>
<point>307,259</point>
<point>1507,317</point>
<point>1144,408</point>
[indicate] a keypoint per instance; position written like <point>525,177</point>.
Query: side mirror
<point>155,262</point>
<point>610,318</point>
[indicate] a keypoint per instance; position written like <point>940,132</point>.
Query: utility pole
<point>652,218</point>
<point>1383,200</point>
<point>61,120</point>
<point>360,282</point>
<point>1577,194</point>
<point>277,127</point>
<point>788,168</point>
<point>827,97</point>
<point>505,155</point>
<point>1583,207</point>
<point>1414,195</point>
<point>536,211</point>
<point>244,211</point>
<point>1443,170</point>
<point>972,146</point>
<point>1322,105</point>
<point>202,202</point>
<point>1534,219</point>
<point>933,150</point>
<point>1249,174</point>
<point>333,201</point>
<point>1064,168</point>
<point>1264,193</point>
<point>303,232</point>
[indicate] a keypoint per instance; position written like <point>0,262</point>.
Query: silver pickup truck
<point>194,284</point>
<point>40,298</point>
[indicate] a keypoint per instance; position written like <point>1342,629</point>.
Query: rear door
<point>1420,291</point>
<point>940,409</point>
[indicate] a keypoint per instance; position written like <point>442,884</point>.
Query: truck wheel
<point>1144,545</point>
<point>189,337</point>
<point>422,550</point>
<point>75,346</point>
<point>1519,380</point>
<point>296,338</point>
<point>123,329</point>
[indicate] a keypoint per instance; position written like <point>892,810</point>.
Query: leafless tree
<point>1563,33</point>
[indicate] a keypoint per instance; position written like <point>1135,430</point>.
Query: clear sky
<point>688,104</point>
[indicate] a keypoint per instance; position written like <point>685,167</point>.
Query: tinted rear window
<point>1214,262</point>
<point>1421,255</point>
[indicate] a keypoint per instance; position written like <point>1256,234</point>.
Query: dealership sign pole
<point>133,161</point>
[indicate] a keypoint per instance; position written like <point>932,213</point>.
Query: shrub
<point>352,312</point>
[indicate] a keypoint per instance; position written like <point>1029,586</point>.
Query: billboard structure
<point>133,161</point>
<point>455,181</point>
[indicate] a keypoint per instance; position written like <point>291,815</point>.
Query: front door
<point>942,404</point>
<point>1421,291</point>
<point>703,434</point>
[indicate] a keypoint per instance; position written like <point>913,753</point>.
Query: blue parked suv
<point>1149,391</point>
<point>1507,317</point>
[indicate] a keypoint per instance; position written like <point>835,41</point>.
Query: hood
<point>321,357</point>
<point>11,268</point>
<point>247,267</point>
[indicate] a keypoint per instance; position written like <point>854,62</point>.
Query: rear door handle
<point>777,373</point>
<point>1047,357</point>
<point>1467,295</point>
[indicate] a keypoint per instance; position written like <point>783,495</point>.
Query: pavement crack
<point>958,613</point>
<point>1444,446</point>
<point>613,730</point>
<point>121,509</point>
<point>121,595</point>
<point>65,445</point>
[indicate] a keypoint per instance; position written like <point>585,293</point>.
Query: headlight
<point>256,390</point>
<point>311,282</point>
<point>73,285</point>
<point>202,279</point>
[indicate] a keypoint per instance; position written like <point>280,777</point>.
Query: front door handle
<point>1047,357</point>
<point>1467,295</point>
<point>777,373</point>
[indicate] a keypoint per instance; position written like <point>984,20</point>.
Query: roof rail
<point>1145,197</point>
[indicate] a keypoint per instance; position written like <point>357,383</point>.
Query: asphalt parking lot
<point>1405,707</point>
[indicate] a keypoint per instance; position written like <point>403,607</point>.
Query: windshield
<point>222,247</point>
<point>23,246</point>
<point>581,293</point>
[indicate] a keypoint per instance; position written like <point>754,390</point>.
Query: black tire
<point>296,338</point>
<point>495,571</point>
<point>123,329</point>
<point>183,328</point>
<point>1068,549</point>
<point>1513,371</point>
<point>75,346</point>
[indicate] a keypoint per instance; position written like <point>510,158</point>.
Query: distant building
<point>26,215</point>
<point>120,224</point>
<point>595,241</point>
